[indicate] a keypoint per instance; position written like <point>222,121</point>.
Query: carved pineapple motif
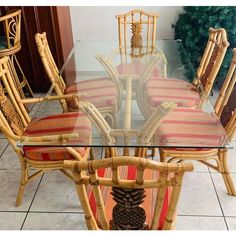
<point>127,214</point>
<point>136,39</point>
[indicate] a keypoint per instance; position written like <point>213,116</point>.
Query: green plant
<point>192,28</point>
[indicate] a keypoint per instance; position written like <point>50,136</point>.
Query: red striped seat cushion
<point>129,172</point>
<point>102,92</point>
<point>191,128</point>
<point>134,68</point>
<point>180,92</point>
<point>73,122</point>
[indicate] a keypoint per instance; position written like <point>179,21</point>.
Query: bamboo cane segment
<point>129,160</point>
<point>90,220</point>
<point>148,32</point>
<point>119,33</point>
<point>169,221</point>
<point>47,138</point>
<point>231,127</point>
<point>154,31</point>
<point>132,12</point>
<point>128,104</point>
<point>227,87</point>
<point>125,35</point>
<point>159,201</point>
<point>51,98</point>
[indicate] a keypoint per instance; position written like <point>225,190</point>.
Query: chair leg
<point>153,152</point>
<point>20,194</point>
<point>163,155</point>
<point>107,152</point>
<point>141,152</point>
<point>224,169</point>
<point>23,182</point>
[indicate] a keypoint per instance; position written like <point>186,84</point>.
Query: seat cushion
<point>65,123</point>
<point>160,90</point>
<point>102,92</point>
<point>129,172</point>
<point>191,128</point>
<point>134,68</point>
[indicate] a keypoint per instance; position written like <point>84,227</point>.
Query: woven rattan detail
<point>10,113</point>
<point>229,108</point>
<point>210,65</point>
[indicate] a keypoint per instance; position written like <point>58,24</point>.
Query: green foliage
<point>192,28</point>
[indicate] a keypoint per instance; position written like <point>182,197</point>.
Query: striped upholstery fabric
<point>73,122</point>
<point>102,92</point>
<point>190,127</point>
<point>134,68</point>
<point>180,92</point>
<point>129,172</point>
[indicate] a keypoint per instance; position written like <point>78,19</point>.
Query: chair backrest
<point>13,115</point>
<point>128,193</point>
<point>50,66</point>
<point>12,27</point>
<point>226,102</point>
<point>132,23</point>
<point>212,58</point>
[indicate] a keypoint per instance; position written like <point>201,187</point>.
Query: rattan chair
<point>198,128</point>
<point>17,126</point>
<point>10,44</point>
<point>102,92</point>
<point>139,27</point>
<point>155,90</point>
<point>128,193</point>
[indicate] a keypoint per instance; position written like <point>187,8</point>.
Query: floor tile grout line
<point>31,202</point>
<point>57,212</point>
<point>218,198</point>
<point>11,211</point>
<point>203,216</point>
<point>4,150</point>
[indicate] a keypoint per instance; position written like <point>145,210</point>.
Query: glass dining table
<point>129,69</point>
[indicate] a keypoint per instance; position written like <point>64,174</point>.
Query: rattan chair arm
<point>59,137</point>
<point>50,98</point>
<point>9,133</point>
<point>47,138</point>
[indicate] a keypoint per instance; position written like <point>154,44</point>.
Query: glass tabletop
<point>104,73</point>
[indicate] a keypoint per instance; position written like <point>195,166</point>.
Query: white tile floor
<point>50,202</point>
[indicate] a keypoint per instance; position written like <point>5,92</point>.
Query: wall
<point>99,23</point>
